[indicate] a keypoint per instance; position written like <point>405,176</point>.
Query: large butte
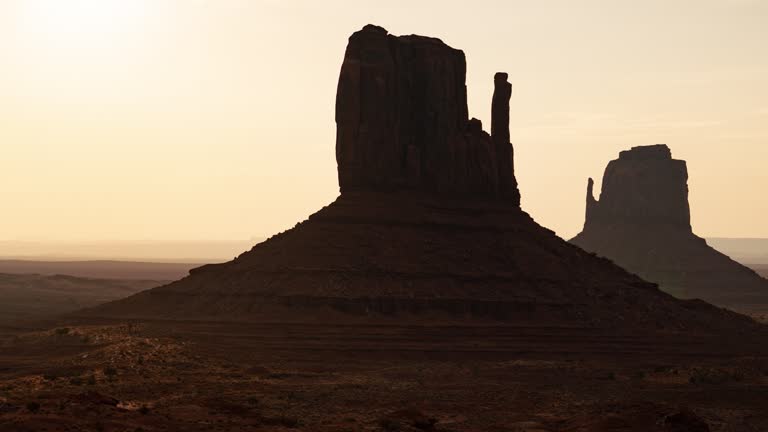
<point>427,228</point>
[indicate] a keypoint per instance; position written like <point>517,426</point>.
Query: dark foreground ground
<point>161,376</point>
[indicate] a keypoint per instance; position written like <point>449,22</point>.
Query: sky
<point>184,120</point>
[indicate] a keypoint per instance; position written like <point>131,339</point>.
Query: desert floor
<point>195,376</point>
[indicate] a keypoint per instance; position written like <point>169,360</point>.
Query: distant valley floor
<point>34,296</point>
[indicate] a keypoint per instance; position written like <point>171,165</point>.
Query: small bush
<point>110,372</point>
<point>76,381</point>
<point>710,376</point>
<point>390,425</point>
<point>289,422</point>
<point>144,410</point>
<point>91,380</point>
<point>286,422</point>
<point>62,331</point>
<point>33,407</point>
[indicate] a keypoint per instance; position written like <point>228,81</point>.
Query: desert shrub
<point>76,381</point>
<point>289,422</point>
<point>407,419</point>
<point>110,372</point>
<point>144,410</point>
<point>390,425</point>
<point>62,331</point>
<point>91,380</point>
<point>284,421</point>
<point>426,424</point>
<point>711,376</point>
<point>33,407</point>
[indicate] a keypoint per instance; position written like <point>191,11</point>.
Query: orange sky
<point>213,120</point>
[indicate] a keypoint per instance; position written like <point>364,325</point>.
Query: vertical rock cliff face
<point>643,222</point>
<point>643,187</point>
<point>402,121</point>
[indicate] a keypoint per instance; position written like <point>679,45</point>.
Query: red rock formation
<point>645,186</point>
<point>642,222</point>
<point>428,225</point>
<point>402,122</point>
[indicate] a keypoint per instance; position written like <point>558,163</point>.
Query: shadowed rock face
<point>402,121</point>
<point>428,226</point>
<point>643,222</point>
<point>643,187</point>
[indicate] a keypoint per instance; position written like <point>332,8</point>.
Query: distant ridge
<point>100,269</point>
<point>135,251</point>
<point>34,296</point>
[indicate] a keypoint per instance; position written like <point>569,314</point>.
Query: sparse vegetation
<point>284,421</point>
<point>62,331</point>
<point>714,376</point>
<point>390,425</point>
<point>33,407</point>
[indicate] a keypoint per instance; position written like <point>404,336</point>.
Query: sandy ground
<point>164,376</point>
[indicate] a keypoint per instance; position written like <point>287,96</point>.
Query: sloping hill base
<point>412,257</point>
<point>682,263</point>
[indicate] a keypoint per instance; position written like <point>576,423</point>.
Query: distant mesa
<point>643,222</point>
<point>428,225</point>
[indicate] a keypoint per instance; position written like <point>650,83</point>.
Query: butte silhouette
<point>428,224</point>
<point>643,223</point>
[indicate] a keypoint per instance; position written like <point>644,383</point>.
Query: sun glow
<point>72,25</point>
<point>75,52</point>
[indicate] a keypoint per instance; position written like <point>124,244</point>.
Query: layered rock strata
<point>403,123</point>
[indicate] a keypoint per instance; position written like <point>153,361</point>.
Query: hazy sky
<point>214,120</point>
